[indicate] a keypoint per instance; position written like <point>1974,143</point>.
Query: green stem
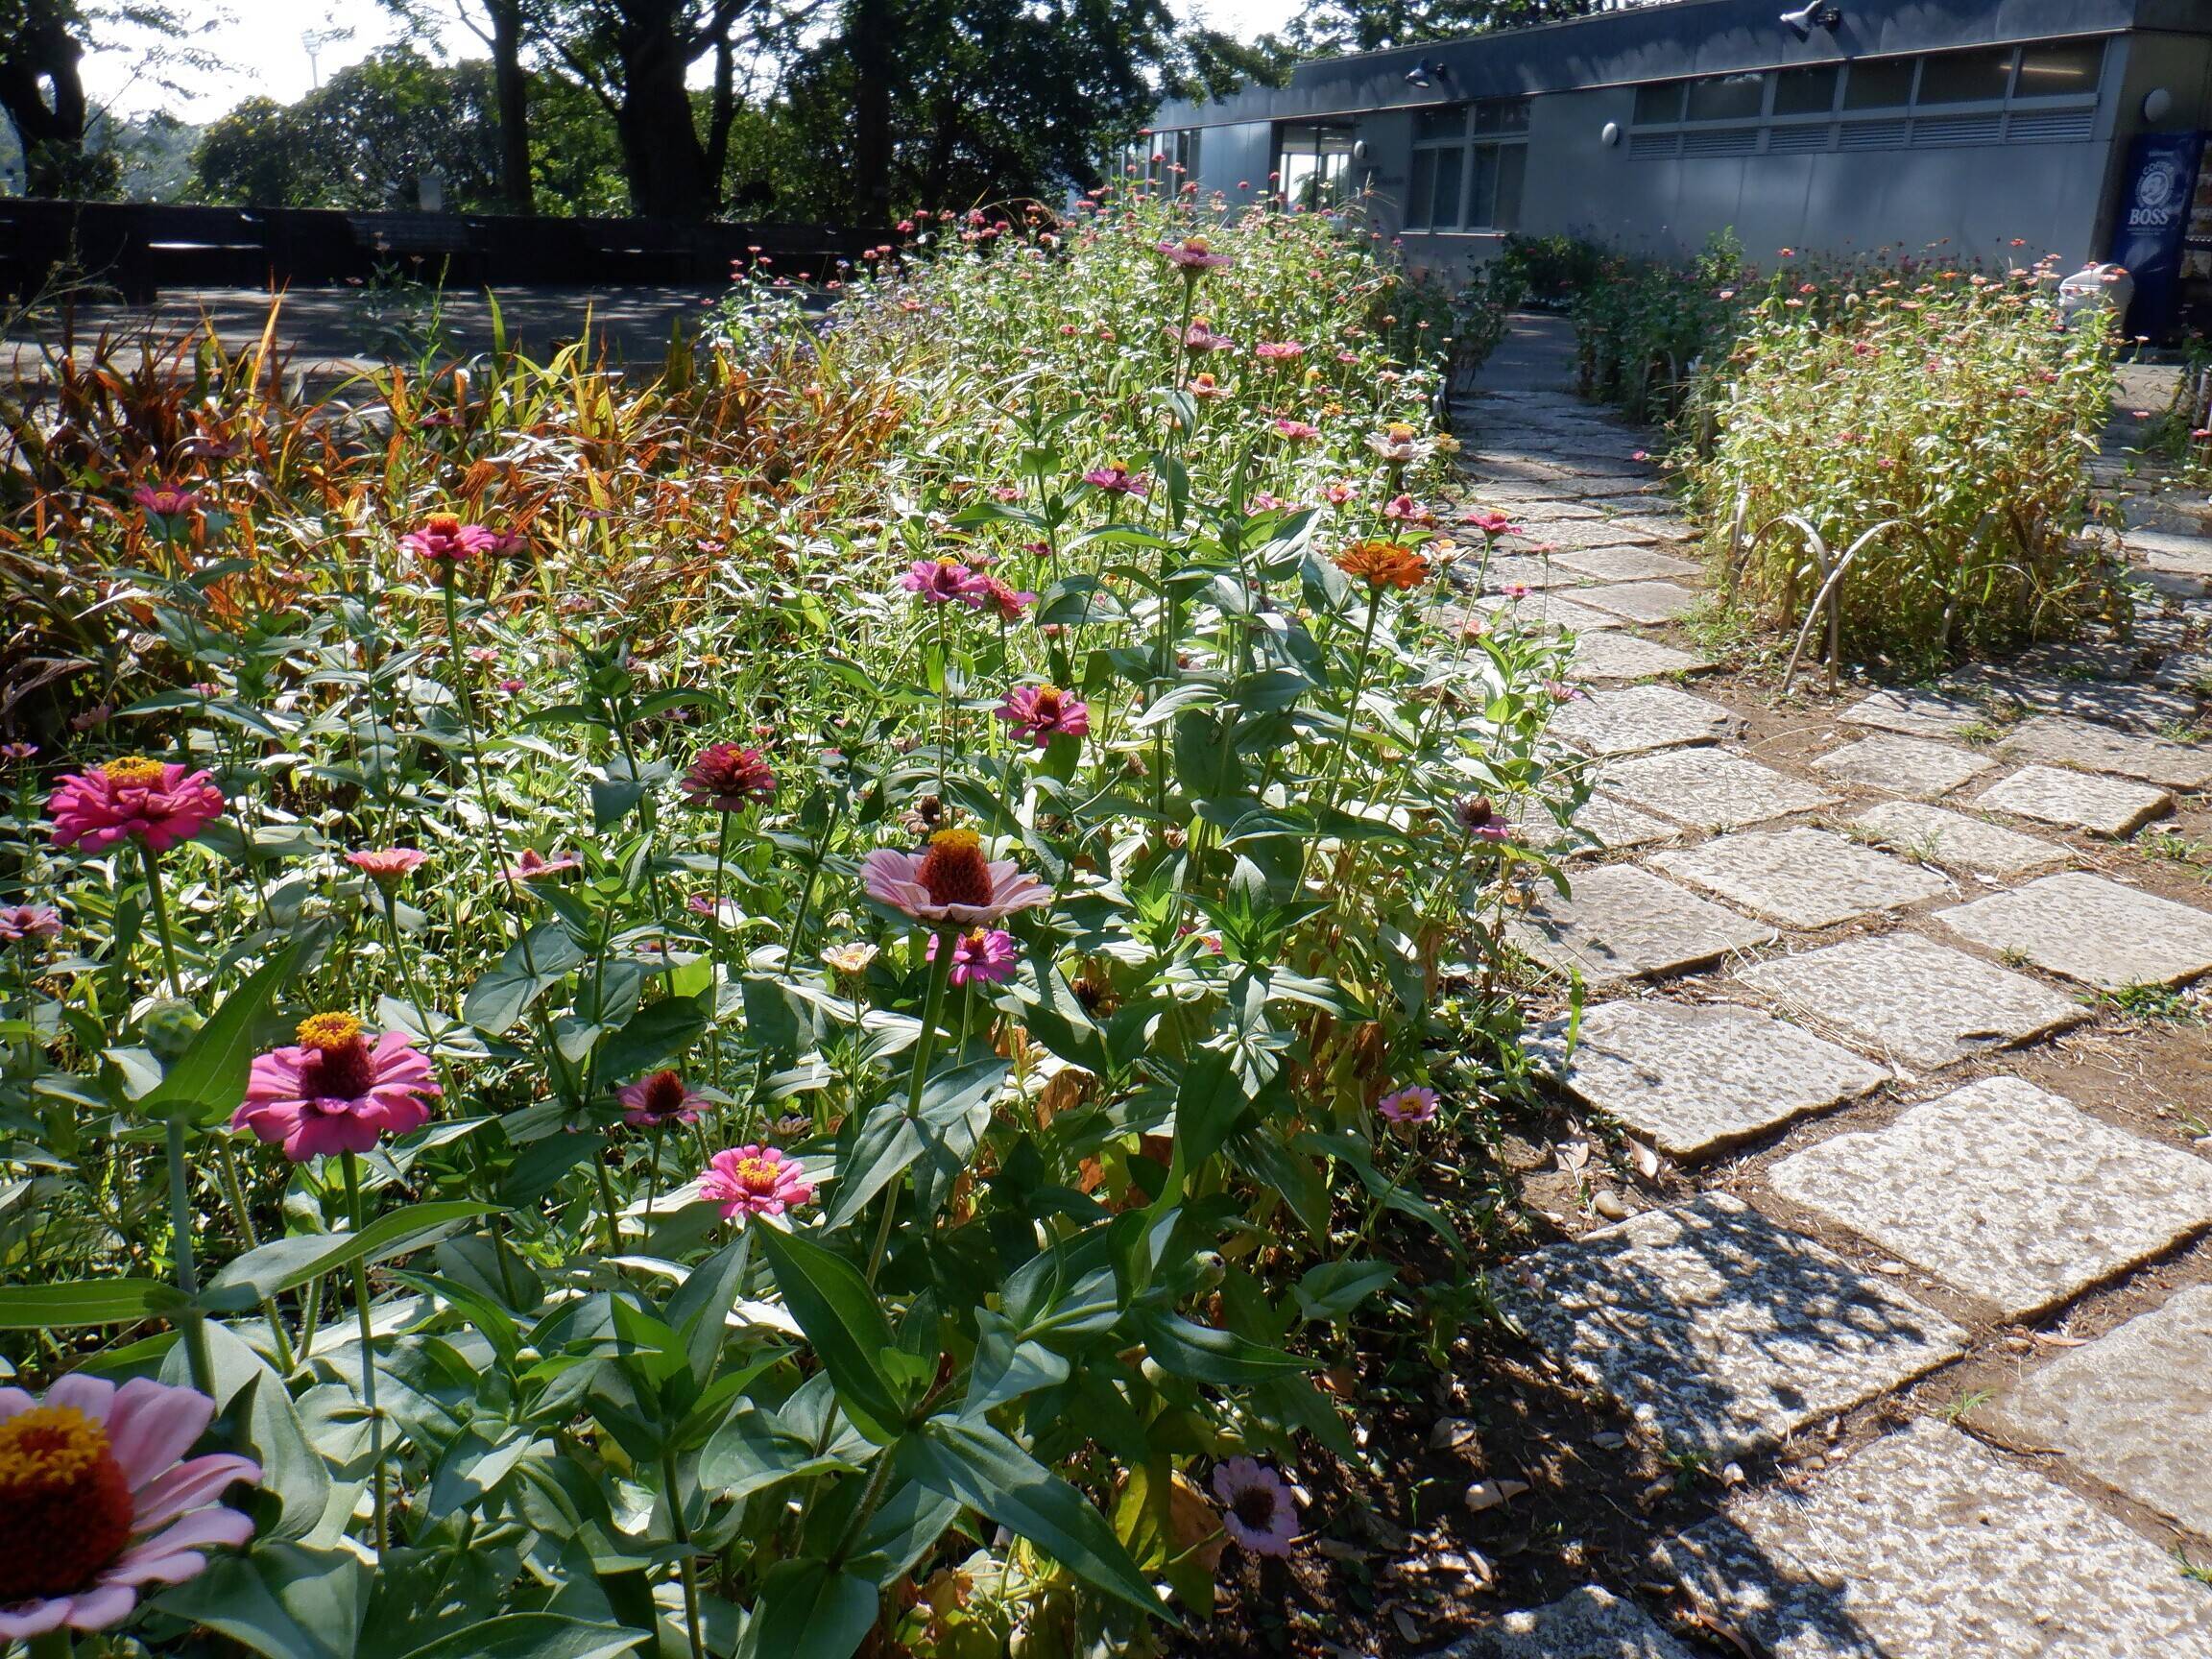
<point>687,1568</point>
<point>187,1273</point>
<point>49,1644</point>
<point>932,1005</point>
<point>352,1166</point>
<point>160,904</point>
<point>235,1192</point>
<point>606,1204</point>
<point>1325,798</point>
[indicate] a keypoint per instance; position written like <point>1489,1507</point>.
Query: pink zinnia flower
<point>1199,338</point>
<point>1516,592</point>
<point>1299,431</point>
<point>728,778</point>
<point>980,957</point>
<point>1403,509</point>
<point>97,1500</point>
<point>167,500</point>
<point>153,802</point>
<point>22,921</point>
<point>660,1098</point>
<point>388,866</point>
<point>1008,601</point>
<point>534,866</point>
<point>1278,350</point>
<point>755,1180</point>
<point>1478,818</point>
<point>1193,254</point>
<point>1489,523</point>
<point>444,540</point>
<point>1414,1105</point>
<point>1257,1509</point>
<point>18,750</point>
<point>1044,710</point>
<point>334,1092</point>
<point>940,581</point>
<point>1118,480</point>
<point>950,882</point>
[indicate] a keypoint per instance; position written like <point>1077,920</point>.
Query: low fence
<point>138,248</point>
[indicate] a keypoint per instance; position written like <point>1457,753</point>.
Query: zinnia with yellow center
<point>753,1181</point>
<point>336,1092</point>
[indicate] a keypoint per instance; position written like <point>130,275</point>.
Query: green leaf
<point>1334,1289</point>
<point>889,1140</point>
<point>844,1321</point>
<point>496,1002</point>
<point>208,1079</point>
<point>291,1470</point>
<point>652,1036</point>
<point>85,1302</point>
<point>284,1264</point>
<point>985,1470</point>
<point>282,1601</point>
<point>810,1610</point>
<point>755,1449</point>
<point>1206,1354</point>
<point>532,1635</point>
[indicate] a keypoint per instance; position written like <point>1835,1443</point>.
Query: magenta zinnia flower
<point>388,866</point>
<point>753,1181</point>
<point>1489,523</point>
<point>658,1100</point>
<point>157,802</point>
<point>334,1092</point>
<point>1118,480</point>
<point>728,778</point>
<point>950,882</point>
<point>97,1500</point>
<point>1044,710</point>
<point>980,957</point>
<point>22,921</point>
<point>1257,1509</point>
<point>1193,254</point>
<point>167,500</point>
<point>940,581</point>
<point>534,866</point>
<point>444,540</point>
<point>1413,1105</point>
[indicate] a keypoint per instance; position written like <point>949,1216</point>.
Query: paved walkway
<point>1888,993</point>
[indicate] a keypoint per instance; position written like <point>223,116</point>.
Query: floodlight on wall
<point>1358,152</point>
<point>2158,104</point>
<point>1819,15</point>
<point>1425,74</point>
<point>1609,134</point>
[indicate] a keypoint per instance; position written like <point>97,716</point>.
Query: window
<point>1314,161</point>
<point>1468,166</point>
<point>2061,69</point>
<point>1965,77</point>
<point>1727,98</point>
<point>1878,84</point>
<point>1807,91</point>
<point>1660,104</point>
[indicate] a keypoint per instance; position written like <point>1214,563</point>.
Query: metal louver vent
<point>2052,126</point>
<point>1798,140</point>
<point>1725,141</point>
<point>1871,136</point>
<point>1950,131</point>
<point>1654,143</point>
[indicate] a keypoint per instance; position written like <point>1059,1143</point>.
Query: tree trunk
<point>661,156</point>
<point>512,87</point>
<point>49,125</point>
<point>870,51</point>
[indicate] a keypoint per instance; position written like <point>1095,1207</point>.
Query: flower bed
<point>776,1011</point>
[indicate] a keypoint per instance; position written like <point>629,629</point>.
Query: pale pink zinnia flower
<point>939,580</point>
<point>950,882</point>
<point>534,866</point>
<point>1257,1509</point>
<point>388,866</point>
<point>1278,350</point>
<point>444,540</point>
<point>97,1501</point>
<point>1199,338</point>
<point>980,957</point>
<point>1413,1105</point>
<point>157,802</point>
<point>1297,430</point>
<point>728,778</point>
<point>1193,254</point>
<point>1489,523</point>
<point>1043,711</point>
<point>755,1180</point>
<point>334,1092</point>
<point>22,921</point>
<point>660,1098</point>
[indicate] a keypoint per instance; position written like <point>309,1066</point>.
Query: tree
<point>503,26</point>
<point>41,44</point>
<point>1331,27</point>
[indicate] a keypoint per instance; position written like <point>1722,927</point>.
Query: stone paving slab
<point>2119,703</point>
<point>2063,742</point>
<point>1927,1545</point>
<point>1719,1329</point>
<point>2172,550</point>
<point>1517,502</point>
<point>1899,765</point>
<point>1605,825</point>
<point>1696,1079</point>
<point>1586,1623</point>
<point>1615,655</point>
<point>2133,1409</point>
<point>1918,713</point>
<point>2089,929</point>
<point>1584,532</point>
<point>1711,788</point>
<point>1802,878</point>
<point>1627,564</point>
<point>1956,841</point>
<point>1912,1000</point>
<point>2006,1191</point>
<point>1624,922</point>
<point>2076,800</point>
<point>1527,570</point>
<point>1634,719</point>
<point>1643,601</point>
<point>1549,609</point>
<point>1667,526</point>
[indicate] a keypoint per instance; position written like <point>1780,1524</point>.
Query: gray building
<point>1845,127</point>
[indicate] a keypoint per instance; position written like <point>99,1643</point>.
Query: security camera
<point>1819,15</point>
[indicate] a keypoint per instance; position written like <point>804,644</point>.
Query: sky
<point>264,47</point>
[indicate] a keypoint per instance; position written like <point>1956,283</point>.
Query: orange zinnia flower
<point>1384,565</point>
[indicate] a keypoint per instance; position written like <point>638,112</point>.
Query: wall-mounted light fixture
<point>1819,15</point>
<point>1425,74</point>
<point>1358,152</point>
<point>2158,104</point>
<point>1609,134</point>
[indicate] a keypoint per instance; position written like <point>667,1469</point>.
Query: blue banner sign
<point>2153,218</point>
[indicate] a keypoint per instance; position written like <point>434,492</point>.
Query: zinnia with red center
<point>97,1500</point>
<point>23,922</point>
<point>729,779</point>
<point>534,866</point>
<point>659,1099</point>
<point>1042,712</point>
<point>950,883</point>
<point>944,581</point>
<point>155,803</point>
<point>335,1091</point>
<point>980,957</point>
<point>1259,1509</point>
<point>755,1180</point>
<point>444,540</point>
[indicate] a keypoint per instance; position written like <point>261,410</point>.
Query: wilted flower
<point>1258,1508</point>
<point>753,1181</point>
<point>155,803</point>
<point>1044,712</point>
<point>334,1092</point>
<point>658,1100</point>
<point>1383,563</point>
<point>167,500</point>
<point>1118,480</point>
<point>851,959</point>
<point>728,778</point>
<point>22,921</point>
<point>950,882</point>
<point>534,865</point>
<point>1192,256</point>
<point>444,540</point>
<point>940,581</point>
<point>1416,1104</point>
<point>980,957</point>
<point>1477,817</point>
<point>388,866</point>
<point>1007,600</point>
<point>97,1500</point>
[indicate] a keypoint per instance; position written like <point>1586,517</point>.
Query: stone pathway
<point>1900,1000</point>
